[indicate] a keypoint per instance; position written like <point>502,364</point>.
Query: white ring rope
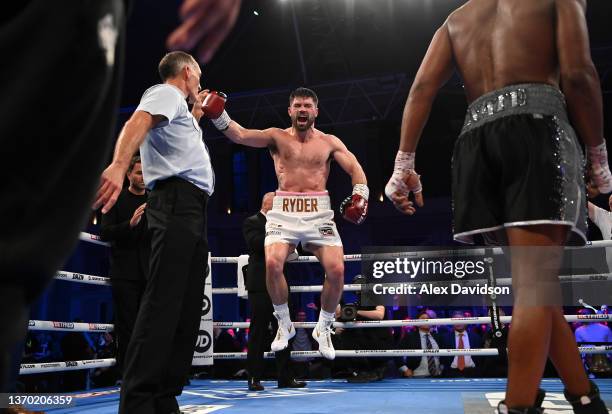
<point>476,320</point>
<point>500,281</point>
<point>293,289</point>
<point>82,278</point>
<point>92,238</point>
<point>401,352</point>
<point>507,281</point>
<point>105,281</point>
<point>95,239</point>
<point>65,366</point>
<point>99,363</point>
<point>34,325</point>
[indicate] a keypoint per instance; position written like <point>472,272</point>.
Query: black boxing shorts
<point>517,162</point>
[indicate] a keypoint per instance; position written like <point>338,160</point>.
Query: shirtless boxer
<point>517,165</point>
<point>301,210</point>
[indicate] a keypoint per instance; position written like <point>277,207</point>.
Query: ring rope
<point>82,278</point>
<point>100,363</point>
<point>36,325</point>
<point>65,366</point>
<point>476,320</point>
<point>92,238</point>
<point>105,281</point>
<point>401,352</point>
<point>95,239</point>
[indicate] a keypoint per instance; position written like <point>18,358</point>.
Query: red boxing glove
<point>214,104</point>
<point>354,208</point>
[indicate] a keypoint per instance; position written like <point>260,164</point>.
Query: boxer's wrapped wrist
<point>222,123</point>
<point>362,190</point>
<point>598,153</point>
<point>403,169</point>
<point>404,161</point>
<point>599,170</point>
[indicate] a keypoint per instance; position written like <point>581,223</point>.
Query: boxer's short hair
<point>304,93</point>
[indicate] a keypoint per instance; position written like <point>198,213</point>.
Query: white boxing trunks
<point>302,217</point>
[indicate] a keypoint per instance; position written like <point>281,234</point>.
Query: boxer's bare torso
<point>302,164</point>
<point>515,44</point>
<point>302,154</point>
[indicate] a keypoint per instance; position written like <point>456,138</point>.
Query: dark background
<point>360,57</point>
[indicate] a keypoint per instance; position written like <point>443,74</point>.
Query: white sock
<point>283,312</point>
<point>326,318</point>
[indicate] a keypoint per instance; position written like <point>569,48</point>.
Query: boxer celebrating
<point>518,166</point>
<point>301,209</point>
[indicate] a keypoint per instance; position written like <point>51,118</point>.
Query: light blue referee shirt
<point>175,146</point>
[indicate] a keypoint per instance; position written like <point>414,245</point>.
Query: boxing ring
<point>416,395</point>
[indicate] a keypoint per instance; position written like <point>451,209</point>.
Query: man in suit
<point>125,227</point>
<point>461,338</point>
<point>254,231</point>
<point>423,338</point>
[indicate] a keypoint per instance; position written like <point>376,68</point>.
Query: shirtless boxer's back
<point>517,165</point>
<point>515,44</point>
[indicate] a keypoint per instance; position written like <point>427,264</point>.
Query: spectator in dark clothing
<point>460,338</point>
<point>125,227</point>
<point>303,341</point>
<point>262,311</point>
<point>75,347</point>
<point>424,338</point>
<point>224,341</point>
<point>363,369</point>
<point>106,348</point>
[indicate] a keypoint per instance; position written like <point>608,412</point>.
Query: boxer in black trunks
<point>517,166</point>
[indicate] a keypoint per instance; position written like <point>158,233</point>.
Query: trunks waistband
<point>528,98</point>
<point>301,203</point>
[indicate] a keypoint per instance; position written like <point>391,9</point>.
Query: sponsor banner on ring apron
<point>203,353</point>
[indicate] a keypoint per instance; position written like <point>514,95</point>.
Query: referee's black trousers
<point>161,349</point>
